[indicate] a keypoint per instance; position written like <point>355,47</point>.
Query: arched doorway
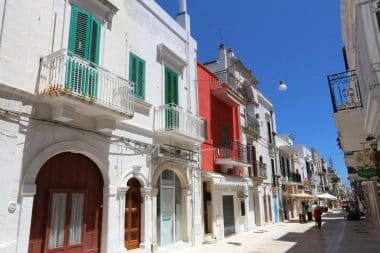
<point>170,216</point>
<point>132,229</point>
<point>67,211</point>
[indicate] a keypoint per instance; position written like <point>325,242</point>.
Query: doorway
<point>228,215</point>
<point>67,211</point>
<point>132,227</point>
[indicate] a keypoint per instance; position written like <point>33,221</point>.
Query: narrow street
<point>336,236</point>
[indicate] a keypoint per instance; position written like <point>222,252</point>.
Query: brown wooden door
<point>132,231</point>
<point>69,196</point>
<point>66,221</point>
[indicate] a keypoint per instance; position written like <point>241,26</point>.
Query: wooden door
<point>65,182</point>
<point>66,222</point>
<point>132,233</point>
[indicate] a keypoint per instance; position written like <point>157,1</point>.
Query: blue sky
<point>298,41</point>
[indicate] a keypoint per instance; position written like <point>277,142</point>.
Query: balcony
<point>69,81</point>
<point>292,178</point>
<point>252,126</point>
<point>232,91</point>
<point>344,91</point>
<point>235,155</point>
<point>176,126</point>
<point>260,171</point>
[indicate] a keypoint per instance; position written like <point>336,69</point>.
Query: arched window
<point>170,222</point>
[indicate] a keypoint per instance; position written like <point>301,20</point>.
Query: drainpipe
<point>2,22</point>
<point>279,197</point>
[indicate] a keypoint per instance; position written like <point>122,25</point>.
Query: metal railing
<point>225,76</point>
<point>63,73</point>
<point>236,151</point>
<point>253,123</point>
<point>295,177</point>
<point>260,170</point>
<point>172,117</point>
<point>292,177</point>
<point>344,91</point>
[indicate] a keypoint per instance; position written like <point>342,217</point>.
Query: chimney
<point>231,53</point>
<point>183,18</point>
<point>223,56</point>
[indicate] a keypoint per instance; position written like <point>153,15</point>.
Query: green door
<point>84,37</point>
<point>171,99</point>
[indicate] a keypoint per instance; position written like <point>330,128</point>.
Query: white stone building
<point>98,127</point>
<point>355,95</point>
<point>266,191</point>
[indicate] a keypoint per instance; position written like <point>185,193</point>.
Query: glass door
<point>65,222</point>
<point>169,209</point>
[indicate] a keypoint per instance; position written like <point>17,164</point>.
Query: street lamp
<point>282,86</point>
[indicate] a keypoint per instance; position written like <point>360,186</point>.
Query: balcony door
<point>83,50</point>
<point>226,141</point>
<point>171,99</point>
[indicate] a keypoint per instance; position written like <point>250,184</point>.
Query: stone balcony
<point>71,84</point>
<point>176,126</point>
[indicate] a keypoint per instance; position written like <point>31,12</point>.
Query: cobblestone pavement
<point>335,236</point>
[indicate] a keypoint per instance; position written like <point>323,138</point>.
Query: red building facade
<point>221,116</point>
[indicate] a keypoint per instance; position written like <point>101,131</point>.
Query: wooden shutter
<point>84,37</point>
<point>79,32</point>
<point>95,41</point>
<point>171,87</point>
<point>137,75</point>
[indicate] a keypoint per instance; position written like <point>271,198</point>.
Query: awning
<point>226,180</point>
<point>302,196</point>
<point>326,196</point>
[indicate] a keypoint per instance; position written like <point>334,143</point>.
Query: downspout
<point>2,22</point>
<point>279,199</point>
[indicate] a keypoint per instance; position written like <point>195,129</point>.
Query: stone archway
<point>67,213</point>
<point>171,205</point>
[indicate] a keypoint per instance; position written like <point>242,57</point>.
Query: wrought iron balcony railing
<point>173,118</point>
<point>295,177</point>
<point>236,152</point>
<point>292,178</point>
<point>253,123</point>
<point>227,77</point>
<point>344,91</point>
<point>260,170</point>
<point>62,74</point>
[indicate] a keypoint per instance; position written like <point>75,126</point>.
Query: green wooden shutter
<point>140,90</point>
<point>171,87</point>
<point>137,75</point>
<point>95,41</point>
<point>84,40</point>
<point>171,97</point>
<point>79,38</point>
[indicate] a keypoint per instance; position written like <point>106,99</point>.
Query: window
<point>205,129</point>
<point>269,132</point>
<point>137,75</point>
<point>84,35</point>
<point>171,87</point>
<point>84,40</point>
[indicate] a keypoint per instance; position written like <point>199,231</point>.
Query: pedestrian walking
<point>318,217</point>
<point>345,213</point>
